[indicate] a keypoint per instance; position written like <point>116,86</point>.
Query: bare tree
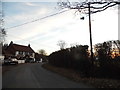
<point>74,44</point>
<point>2,35</point>
<point>83,5</point>
<point>89,7</point>
<point>42,51</point>
<point>62,44</point>
<point>2,30</point>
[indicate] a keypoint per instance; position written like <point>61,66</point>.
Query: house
<point>40,57</point>
<point>18,51</point>
<point>1,59</point>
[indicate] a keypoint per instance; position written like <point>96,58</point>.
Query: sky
<point>46,32</point>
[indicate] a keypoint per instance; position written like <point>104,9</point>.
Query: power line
<point>37,19</point>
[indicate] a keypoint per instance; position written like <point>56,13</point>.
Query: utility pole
<point>91,50</point>
<point>89,8</point>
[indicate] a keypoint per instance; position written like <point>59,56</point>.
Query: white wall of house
<point>21,61</point>
<point>2,57</point>
<point>33,54</point>
<point>16,53</point>
<point>23,53</point>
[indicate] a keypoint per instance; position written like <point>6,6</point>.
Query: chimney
<point>28,45</point>
<point>11,43</point>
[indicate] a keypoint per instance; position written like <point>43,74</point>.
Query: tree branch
<point>84,5</point>
<point>103,9</point>
<point>100,7</point>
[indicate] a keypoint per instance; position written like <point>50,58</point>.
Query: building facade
<point>18,51</point>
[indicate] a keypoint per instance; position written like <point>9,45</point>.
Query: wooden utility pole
<point>89,8</point>
<point>91,50</point>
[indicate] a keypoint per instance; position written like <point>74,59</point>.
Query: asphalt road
<point>32,75</point>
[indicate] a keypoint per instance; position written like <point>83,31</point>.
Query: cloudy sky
<point>48,30</point>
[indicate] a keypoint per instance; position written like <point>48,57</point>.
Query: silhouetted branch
<point>104,8</point>
<point>95,6</point>
<point>62,44</point>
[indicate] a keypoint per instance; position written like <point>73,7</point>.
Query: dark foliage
<point>109,67</point>
<point>75,57</point>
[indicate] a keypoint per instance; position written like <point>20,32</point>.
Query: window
<point>30,54</point>
<point>24,53</point>
<point>17,52</point>
<point>20,52</point>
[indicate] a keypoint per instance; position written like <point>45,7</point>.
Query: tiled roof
<point>22,48</point>
<point>6,52</point>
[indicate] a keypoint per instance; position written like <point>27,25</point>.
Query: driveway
<point>32,75</point>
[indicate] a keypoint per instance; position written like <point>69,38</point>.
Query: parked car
<point>7,61</point>
<point>10,61</point>
<point>14,61</point>
<point>38,61</point>
<point>30,60</point>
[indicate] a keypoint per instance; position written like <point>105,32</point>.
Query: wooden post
<point>91,49</point>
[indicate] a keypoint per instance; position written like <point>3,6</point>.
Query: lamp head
<point>82,18</point>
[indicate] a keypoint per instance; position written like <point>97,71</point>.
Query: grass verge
<point>75,76</point>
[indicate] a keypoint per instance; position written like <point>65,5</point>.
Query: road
<point>32,75</point>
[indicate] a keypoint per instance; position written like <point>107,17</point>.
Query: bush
<point>74,57</point>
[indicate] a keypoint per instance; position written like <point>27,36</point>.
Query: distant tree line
<point>106,59</point>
